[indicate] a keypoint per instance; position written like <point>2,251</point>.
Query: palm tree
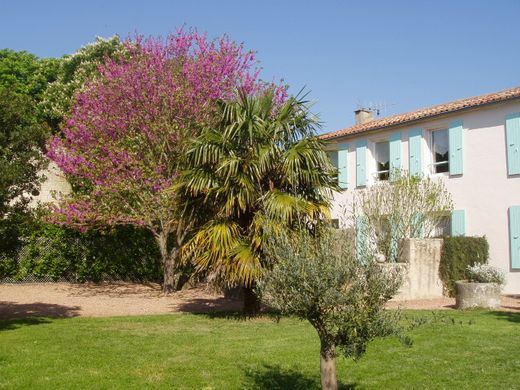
<point>260,169</point>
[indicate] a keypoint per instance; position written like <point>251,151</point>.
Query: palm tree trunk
<point>329,379</point>
<point>251,302</point>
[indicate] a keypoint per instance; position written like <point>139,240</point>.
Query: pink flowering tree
<point>128,131</point>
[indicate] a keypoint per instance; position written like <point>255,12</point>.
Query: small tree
<point>317,278</point>
<point>392,210</point>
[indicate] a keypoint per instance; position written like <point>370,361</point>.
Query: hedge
<point>457,254</point>
<point>120,253</point>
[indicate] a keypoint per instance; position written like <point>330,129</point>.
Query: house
<point>472,144</point>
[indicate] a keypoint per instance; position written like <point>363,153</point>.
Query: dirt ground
<point>127,299</point>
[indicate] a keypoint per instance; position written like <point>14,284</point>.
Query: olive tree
<point>317,277</point>
<point>389,211</point>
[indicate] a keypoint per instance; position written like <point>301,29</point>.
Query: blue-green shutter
<point>455,145</point>
<point>361,163</point>
<point>514,235</point>
<point>395,153</point>
<point>343,166</point>
<point>395,241</point>
<point>415,145</point>
<point>417,225</point>
<point>458,223</point>
<point>361,237</point>
<point>513,143</point>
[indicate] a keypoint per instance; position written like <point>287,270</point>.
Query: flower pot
<point>477,295</point>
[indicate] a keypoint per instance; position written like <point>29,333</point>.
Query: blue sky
<point>400,54</point>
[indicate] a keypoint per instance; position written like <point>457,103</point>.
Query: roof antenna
<point>378,108</point>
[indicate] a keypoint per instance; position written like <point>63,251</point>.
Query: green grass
<point>470,350</point>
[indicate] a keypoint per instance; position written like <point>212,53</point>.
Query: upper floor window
<point>333,157</point>
<point>382,157</point>
<point>440,149</point>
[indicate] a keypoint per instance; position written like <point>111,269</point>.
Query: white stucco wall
<point>484,191</point>
<point>53,187</point>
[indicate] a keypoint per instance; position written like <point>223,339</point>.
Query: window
<point>382,160</point>
<point>440,149</point>
<point>333,157</point>
<point>443,227</point>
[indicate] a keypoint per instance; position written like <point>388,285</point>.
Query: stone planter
<point>477,295</point>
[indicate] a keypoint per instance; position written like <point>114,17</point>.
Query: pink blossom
<point>127,129</point>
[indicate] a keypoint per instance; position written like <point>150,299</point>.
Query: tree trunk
<point>169,260</point>
<point>169,280</point>
<point>329,380</point>
<point>251,302</point>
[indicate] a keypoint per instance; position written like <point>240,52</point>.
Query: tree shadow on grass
<point>14,315</point>
<point>271,377</point>
<point>237,315</point>
<point>226,308</point>
<point>209,306</point>
<point>506,315</point>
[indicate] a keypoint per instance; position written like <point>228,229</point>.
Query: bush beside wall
<point>457,254</point>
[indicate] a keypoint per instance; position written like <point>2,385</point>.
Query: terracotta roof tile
<point>429,112</point>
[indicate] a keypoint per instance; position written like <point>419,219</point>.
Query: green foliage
<point>125,252</point>
<point>261,167</point>
<point>11,242</point>
<point>22,139</point>
<point>317,277</point>
<point>457,254</point>
<point>25,74</point>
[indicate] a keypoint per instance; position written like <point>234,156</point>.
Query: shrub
<point>484,273</point>
<point>458,253</point>
<point>11,241</point>
<point>125,252</point>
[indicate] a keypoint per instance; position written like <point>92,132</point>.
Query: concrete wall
<point>484,191</point>
<point>419,261</point>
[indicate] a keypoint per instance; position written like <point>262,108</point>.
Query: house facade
<point>473,145</point>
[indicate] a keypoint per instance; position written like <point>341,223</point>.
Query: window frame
<point>385,172</point>
<point>433,164</point>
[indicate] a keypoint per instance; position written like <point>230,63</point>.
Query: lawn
<point>453,350</point>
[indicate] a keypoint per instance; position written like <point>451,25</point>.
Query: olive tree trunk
<point>329,379</point>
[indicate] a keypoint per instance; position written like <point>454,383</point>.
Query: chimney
<point>364,115</point>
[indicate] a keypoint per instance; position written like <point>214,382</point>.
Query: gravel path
<point>122,299</point>
<point>105,299</point>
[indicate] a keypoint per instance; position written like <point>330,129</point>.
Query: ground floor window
<point>443,227</point>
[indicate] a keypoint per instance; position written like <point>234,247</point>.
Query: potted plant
<point>482,289</point>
